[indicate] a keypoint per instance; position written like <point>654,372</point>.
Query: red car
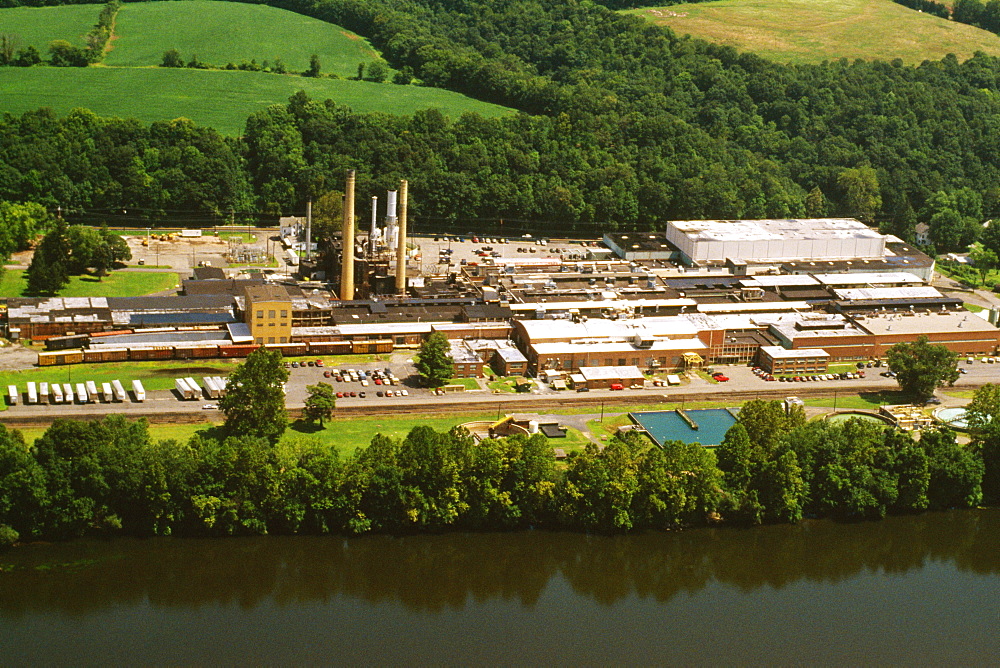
<point>720,378</point>
<point>617,386</point>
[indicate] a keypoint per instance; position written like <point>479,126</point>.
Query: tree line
<point>109,476</point>
<point>625,125</point>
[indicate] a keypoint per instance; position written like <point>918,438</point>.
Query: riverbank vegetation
<point>109,476</point>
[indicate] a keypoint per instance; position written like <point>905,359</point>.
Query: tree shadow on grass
<point>888,397</point>
<point>305,427</point>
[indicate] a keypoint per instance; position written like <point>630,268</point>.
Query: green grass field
<point>223,32</point>
<point>117,284</point>
<point>811,31</point>
<point>216,98</point>
<point>37,26</point>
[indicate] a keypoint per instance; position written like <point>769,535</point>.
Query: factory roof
<point>869,278</point>
<point>761,230</point>
<point>610,372</point>
<point>171,303</point>
<point>910,322</point>
<point>915,292</point>
<point>753,307</point>
<point>267,293</point>
<point>387,327</point>
<point>598,346</point>
<point>780,281</point>
<point>777,352</point>
<point>601,329</point>
<point>603,303</point>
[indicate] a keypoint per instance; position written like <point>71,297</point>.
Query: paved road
<point>164,406</point>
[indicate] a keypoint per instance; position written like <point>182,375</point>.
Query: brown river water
<point>906,590</point>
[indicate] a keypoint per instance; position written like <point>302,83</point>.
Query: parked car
<point>616,386</point>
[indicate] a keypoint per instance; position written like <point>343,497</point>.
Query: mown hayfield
<point>224,32</point>
<point>37,26</point>
<point>811,31</point>
<point>215,98</point>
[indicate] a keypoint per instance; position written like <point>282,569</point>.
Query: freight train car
<point>105,355</point>
<point>378,346</point>
<point>205,351</point>
<point>289,349</point>
<point>57,357</point>
<point>67,342</point>
<point>329,347</point>
<point>236,351</point>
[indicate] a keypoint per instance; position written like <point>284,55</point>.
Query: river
<point>907,590</point>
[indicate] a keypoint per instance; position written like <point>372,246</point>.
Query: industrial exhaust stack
<point>390,220</point>
<point>373,234</point>
<point>347,253</point>
<point>401,247</point>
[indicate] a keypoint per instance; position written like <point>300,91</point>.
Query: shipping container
<point>138,390</point>
<point>107,394</point>
<point>92,391</point>
<point>119,390</point>
<point>81,393</point>
<point>12,395</point>
<point>32,393</point>
<point>68,393</point>
<point>43,393</point>
<point>57,394</point>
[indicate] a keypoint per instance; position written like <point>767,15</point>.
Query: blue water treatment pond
<point>711,425</point>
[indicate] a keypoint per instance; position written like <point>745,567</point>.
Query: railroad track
<point>502,402</point>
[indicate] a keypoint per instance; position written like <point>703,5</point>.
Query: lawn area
<point>504,384</point>
<point>154,375</point>
<point>144,31</point>
<point>862,401</point>
<point>215,98</point>
<point>811,31</point>
<point>467,383</point>
<point>118,284</point>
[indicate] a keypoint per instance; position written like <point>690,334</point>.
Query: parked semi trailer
<point>43,393</point>
<point>116,386</point>
<point>68,393</point>
<point>12,394</point>
<point>193,384</point>
<point>57,393</point>
<point>138,390</point>
<point>185,390</point>
<point>92,391</point>
<point>107,393</point>
<point>81,393</point>
<point>32,393</point>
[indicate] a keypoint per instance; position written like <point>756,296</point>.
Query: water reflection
<point>438,573</point>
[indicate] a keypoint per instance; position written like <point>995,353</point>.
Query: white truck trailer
<point>221,384</point>
<point>193,384</point>
<point>183,389</point>
<point>32,393</point>
<point>68,393</point>
<point>57,393</point>
<point>12,394</point>
<point>138,390</point>
<point>107,393</point>
<point>43,393</point>
<point>211,387</point>
<point>81,393</point>
<point>119,390</point>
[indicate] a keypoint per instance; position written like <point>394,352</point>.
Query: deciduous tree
<point>434,362</point>
<point>921,367</point>
<point>320,402</point>
<point>254,404</point>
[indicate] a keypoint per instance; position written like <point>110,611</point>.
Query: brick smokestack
<point>347,256</point>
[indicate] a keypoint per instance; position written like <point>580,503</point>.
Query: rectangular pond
<point>706,426</point>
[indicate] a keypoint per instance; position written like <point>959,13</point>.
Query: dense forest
<point>624,125</point>
<point>108,476</point>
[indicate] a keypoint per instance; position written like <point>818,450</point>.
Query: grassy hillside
<point>222,32</point>
<point>811,31</point>
<point>219,99</point>
<point>37,26</point>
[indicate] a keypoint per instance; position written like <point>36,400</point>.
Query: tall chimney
<point>401,248</point>
<point>373,234</point>
<point>309,227</point>
<point>347,254</point>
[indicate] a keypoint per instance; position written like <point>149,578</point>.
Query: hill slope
<point>37,26</point>
<point>811,31</point>
<point>223,32</point>
<point>215,98</point>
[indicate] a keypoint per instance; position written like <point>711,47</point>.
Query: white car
<point>405,393</point>
<point>209,407</point>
